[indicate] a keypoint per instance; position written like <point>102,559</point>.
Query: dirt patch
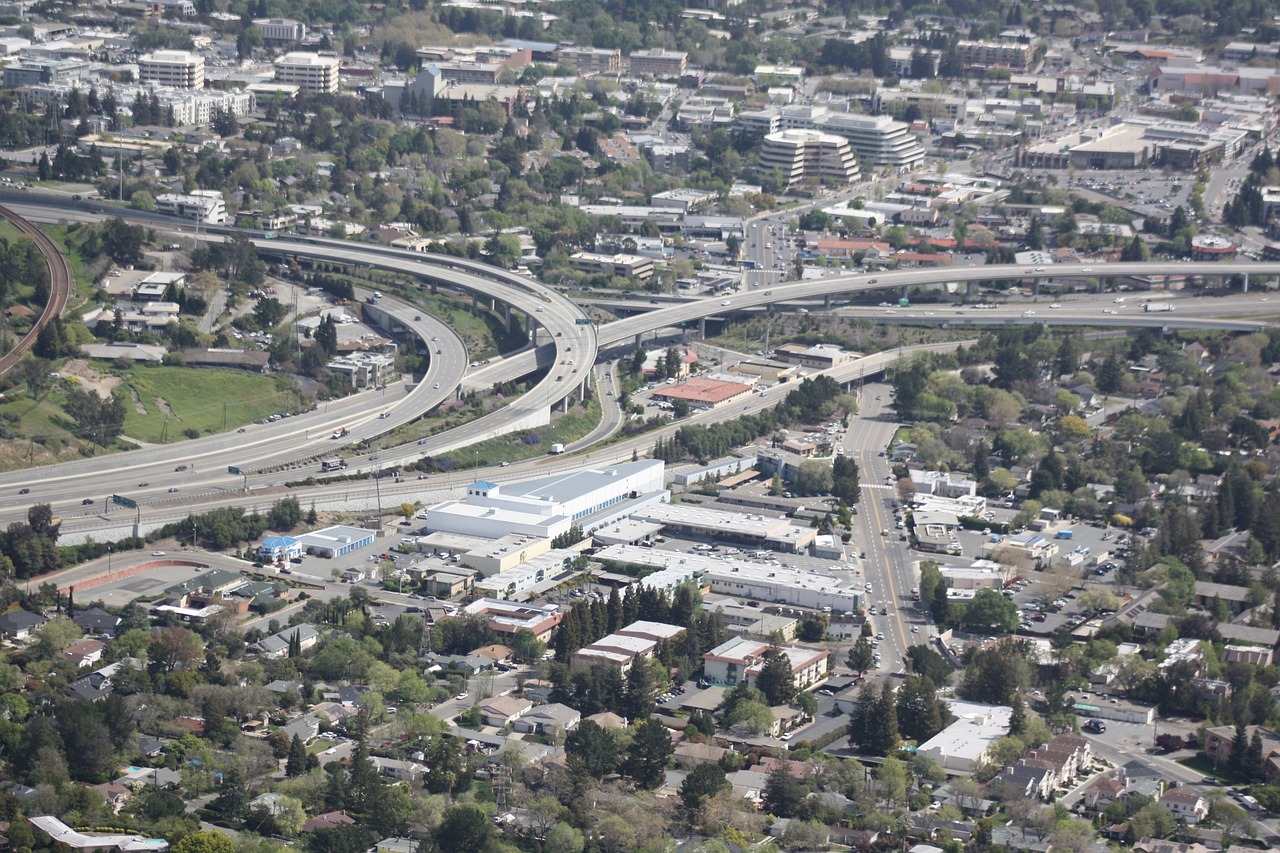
<point>163,405</point>
<point>137,403</point>
<point>86,375</point>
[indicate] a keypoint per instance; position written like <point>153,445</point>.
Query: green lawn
<point>564,428</point>
<point>197,399</point>
<point>85,278</point>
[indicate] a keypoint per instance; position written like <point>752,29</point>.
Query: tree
<point>702,783</point>
<point>205,842</point>
<point>892,778</point>
<point>783,792</point>
<point>592,749</point>
<point>776,679</point>
<point>563,838</point>
<point>648,754</point>
<point>813,478</point>
<point>860,656</point>
<point>989,610</point>
<point>464,827</point>
<point>296,765</point>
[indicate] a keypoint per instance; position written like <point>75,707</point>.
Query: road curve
<point>61,283</point>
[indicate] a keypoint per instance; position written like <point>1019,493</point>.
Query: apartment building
<point>313,73</point>
<point>1013,55</point>
<point>179,69</point>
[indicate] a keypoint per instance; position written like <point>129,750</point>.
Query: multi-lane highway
<point>567,340</point>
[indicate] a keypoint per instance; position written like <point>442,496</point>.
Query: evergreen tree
<point>783,792</point>
<point>637,700</point>
<point>1253,766</point>
<point>296,763</point>
<point>1017,716</point>
<point>776,679</point>
<point>649,753</point>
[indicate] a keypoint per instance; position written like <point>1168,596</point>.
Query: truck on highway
<point>557,449</point>
<point>332,463</point>
<point>1157,306</point>
<point>339,432</point>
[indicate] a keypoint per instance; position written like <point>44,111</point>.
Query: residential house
<point>304,728</point>
<point>117,796</point>
<point>97,622</point>
<point>277,645</point>
<point>1185,804</point>
<point>504,710</point>
<point>1159,845</point>
<point>1026,781</point>
<point>401,771</point>
<point>83,653</point>
<point>554,720</point>
<point>690,755</point>
<point>328,820</point>
<point>18,624</point>
<point>605,719</point>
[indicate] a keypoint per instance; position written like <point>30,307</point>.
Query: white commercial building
<point>750,529</point>
<point>179,69</point>
<point>314,73</point>
<point>943,484</point>
<point>739,578</point>
<point>525,577</point>
<point>548,506</point>
<point>200,205</point>
<point>964,743</point>
<point>800,155</point>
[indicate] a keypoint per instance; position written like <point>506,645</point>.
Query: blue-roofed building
<point>548,506</point>
<point>277,548</point>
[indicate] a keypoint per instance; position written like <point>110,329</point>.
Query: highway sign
<point>583,321</point>
<point>123,501</point>
<point>231,469</point>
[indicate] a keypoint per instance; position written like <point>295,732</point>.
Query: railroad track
<point>60,286</point>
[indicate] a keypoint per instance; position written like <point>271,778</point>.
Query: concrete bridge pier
<point>639,342</point>
<point>1035,287</point>
<point>702,328</point>
<point>433,288</point>
<point>506,317</point>
<point>970,289</point>
<point>1246,282</point>
<point>826,301</point>
<point>475,303</point>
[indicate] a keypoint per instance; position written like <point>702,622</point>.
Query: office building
<point>592,60</point>
<point>32,71</point>
<point>314,73</point>
<point>808,155</point>
<point>658,63</point>
<point>281,30</point>
<point>626,266</point>
<point>510,618</point>
<point>178,69</point>
<point>201,205</point>
<point>877,139</point>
